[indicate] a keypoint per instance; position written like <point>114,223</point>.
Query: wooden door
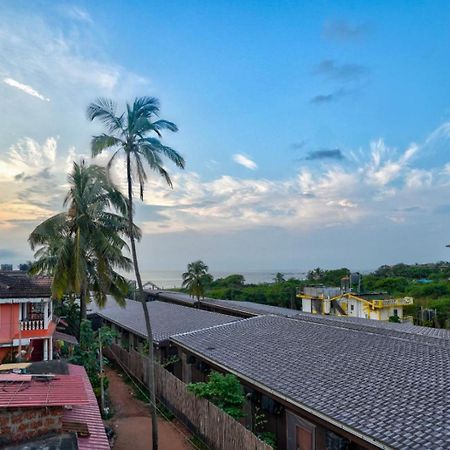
<point>304,438</point>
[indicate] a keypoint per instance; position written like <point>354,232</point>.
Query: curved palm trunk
<point>151,371</point>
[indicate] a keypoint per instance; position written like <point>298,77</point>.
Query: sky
<point>314,133</point>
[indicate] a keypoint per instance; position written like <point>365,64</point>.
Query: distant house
<point>49,406</point>
<point>330,383</point>
<point>333,301</point>
<point>26,316</point>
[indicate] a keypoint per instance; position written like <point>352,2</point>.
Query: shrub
<point>224,391</point>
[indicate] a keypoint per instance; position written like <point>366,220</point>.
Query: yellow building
<point>333,301</point>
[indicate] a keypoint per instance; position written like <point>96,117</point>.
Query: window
<point>352,307</point>
<point>395,312</point>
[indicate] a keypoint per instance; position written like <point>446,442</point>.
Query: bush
<point>224,391</point>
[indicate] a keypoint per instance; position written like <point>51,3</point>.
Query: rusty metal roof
<point>58,391</point>
<point>88,414</point>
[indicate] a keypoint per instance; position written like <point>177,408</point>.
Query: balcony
<point>35,316</point>
<point>28,325</point>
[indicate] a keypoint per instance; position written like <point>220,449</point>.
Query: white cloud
<point>77,13</point>
<point>366,191</point>
<point>32,177</point>
<point>245,161</point>
<point>25,88</point>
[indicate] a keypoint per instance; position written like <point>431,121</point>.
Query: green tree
<point>279,278</point>
<point>196,279</point>
<point>82,247</point>
<point>87,353</point>
<point>132,134</point>
<point>224,391</point>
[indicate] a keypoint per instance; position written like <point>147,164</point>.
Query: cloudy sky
<point>315,133</point>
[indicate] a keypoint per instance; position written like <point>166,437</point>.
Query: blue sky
<point>315,133</point>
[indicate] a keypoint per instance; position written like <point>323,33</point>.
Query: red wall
<point>9,322</point>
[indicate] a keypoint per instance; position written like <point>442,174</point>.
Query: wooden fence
<point>216,428</point>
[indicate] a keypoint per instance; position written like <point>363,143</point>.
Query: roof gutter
<point>312,411</point>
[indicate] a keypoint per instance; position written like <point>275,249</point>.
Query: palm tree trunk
<point>82,310</point>
<point>151,370</point>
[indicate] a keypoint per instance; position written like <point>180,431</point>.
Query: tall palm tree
<point>196,278</point>
<point>130,134</point>
<point>82,247</point>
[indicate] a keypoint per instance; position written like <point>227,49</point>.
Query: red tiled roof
<point>59,391</point>
<point>88,414</point>
<point>16,284</point>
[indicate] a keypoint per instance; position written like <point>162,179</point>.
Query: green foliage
<point>259,423</point>
<point>269,438</point>
<point>327,277</point>
<point>279,278</point>
<point>69,310</point>
<point>196,279</point>
<point>86,353</point>
<point>234,281</point>
<point>81,248</point>
<point>224,391</point>
<point>394,319</point>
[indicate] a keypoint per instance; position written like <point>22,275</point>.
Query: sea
<point>168,279</point>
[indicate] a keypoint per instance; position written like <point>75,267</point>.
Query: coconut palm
<point>82,247</point>
<point>196,278</point>
<point>135,134</point>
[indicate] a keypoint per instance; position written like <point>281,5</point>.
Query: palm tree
<point>130,134</point>
<point>196,278</point>
<point>82,247</point>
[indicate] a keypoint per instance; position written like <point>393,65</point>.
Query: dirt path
<point>132,423</point>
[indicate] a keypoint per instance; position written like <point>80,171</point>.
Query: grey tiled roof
<point>394,390</point>
<point>377,326</point>
<point>17,284</point>
<point>166,318</point>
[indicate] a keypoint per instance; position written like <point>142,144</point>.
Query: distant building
<point>6,267</point>
<point>26,317</point>
<point>336,301</point>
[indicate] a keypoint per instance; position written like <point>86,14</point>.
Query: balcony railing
<point>27,325</point>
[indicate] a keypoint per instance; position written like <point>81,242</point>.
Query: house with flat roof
<point>26,316</point>
<point>336,301</point>
<point>326,384</point>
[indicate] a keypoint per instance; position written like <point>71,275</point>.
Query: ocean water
<point>168,279</point>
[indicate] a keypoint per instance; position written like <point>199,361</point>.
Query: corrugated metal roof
<point>59,391</point>
<point>88,414</point>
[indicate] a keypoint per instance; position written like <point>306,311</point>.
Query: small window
<point>395,312</point>
<point>352,307</point>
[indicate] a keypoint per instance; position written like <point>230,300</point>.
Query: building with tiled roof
<point>26,317</point>
<point>324,385</point>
